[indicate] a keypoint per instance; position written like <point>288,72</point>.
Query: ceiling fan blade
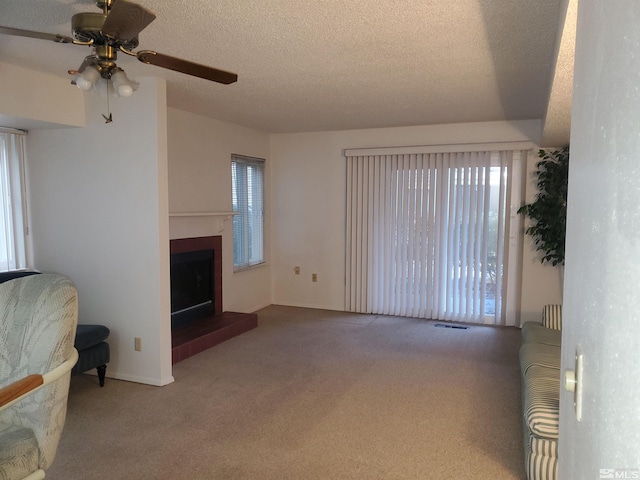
<point>184,66</point>
<point>126,20</point>
<point>54,37</point>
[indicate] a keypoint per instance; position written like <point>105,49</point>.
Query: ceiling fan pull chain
<point>108,119</point>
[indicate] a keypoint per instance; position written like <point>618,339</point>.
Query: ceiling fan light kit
<point>115,30</point>
<point>88,79</point>
<point>114,82</point>
<point>121,83</point>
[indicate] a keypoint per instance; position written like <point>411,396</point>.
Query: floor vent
<point>444,325</point>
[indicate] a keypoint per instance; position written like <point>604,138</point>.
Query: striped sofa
<point>540,373</point>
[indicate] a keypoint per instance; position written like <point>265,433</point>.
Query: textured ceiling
<point>311,65</point>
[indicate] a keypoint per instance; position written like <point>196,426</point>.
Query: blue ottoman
<point>93,351</point>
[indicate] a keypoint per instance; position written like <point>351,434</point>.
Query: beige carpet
<point>311,394</point>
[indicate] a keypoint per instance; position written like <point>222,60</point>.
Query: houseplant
<point>548,211</point>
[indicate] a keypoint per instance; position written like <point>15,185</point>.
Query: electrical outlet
<point>296,270</point>
<point>314,277</point>
<point>137,344</point>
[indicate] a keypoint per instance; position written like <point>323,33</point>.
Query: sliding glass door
<point>429,234</point>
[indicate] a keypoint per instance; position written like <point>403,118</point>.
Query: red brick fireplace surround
<point>203,333</point>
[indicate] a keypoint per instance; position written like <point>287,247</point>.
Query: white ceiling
<point>312,65</point>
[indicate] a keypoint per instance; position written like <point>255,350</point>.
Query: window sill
<point>249,267</point>
<point>202,214</point>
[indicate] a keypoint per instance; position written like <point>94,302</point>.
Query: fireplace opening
<point>192,286</point>
<point>196,279</point>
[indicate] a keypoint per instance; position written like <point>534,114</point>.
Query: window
<point>247,176</point>
<point>12,216</point>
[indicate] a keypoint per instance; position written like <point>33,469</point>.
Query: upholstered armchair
<point>38,318</point>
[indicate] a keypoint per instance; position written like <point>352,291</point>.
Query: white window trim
<point>16,217</point>
<point>247,160</point>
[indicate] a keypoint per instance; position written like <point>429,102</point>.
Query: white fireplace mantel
<point>221,217</point>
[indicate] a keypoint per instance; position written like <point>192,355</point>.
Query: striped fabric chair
<point>540,373</point>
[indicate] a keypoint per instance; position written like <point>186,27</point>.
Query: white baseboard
<point>136,379</point>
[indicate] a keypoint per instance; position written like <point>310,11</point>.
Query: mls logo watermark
<point>619,473</point>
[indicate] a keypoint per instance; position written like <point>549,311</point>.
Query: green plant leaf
<point>548,211</point>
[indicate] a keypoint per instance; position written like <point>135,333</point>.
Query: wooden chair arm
<point>19,388</point>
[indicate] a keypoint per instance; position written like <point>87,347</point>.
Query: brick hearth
<point>207,332</point>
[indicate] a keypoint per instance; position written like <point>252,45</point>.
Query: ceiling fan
<point>116,30</point>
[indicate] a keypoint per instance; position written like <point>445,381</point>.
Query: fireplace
<point>198,321</point>
<point>196,279</point>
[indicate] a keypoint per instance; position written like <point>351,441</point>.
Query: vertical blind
<point>428,234</point>
<point>13,249</point>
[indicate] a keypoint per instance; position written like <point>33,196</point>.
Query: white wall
<point>308,198</point>
<point>38,100</point>
<point>200,151</point>
<point>305,204</point>
<point>99,214</point>
<point>602,275</point>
